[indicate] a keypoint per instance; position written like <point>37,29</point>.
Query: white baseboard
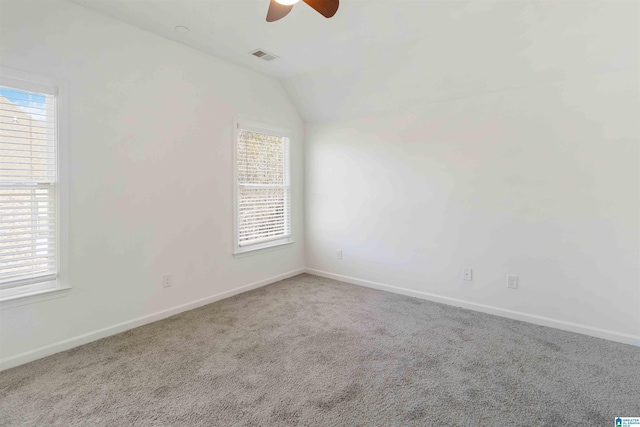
<point>140,321</point>
<point>516,315</point>
<point>70,343</point>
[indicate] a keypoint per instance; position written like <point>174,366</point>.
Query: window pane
<point>27,187</point>
<point>263,196</point>
<point>260,158</point>
<point>262,213</point>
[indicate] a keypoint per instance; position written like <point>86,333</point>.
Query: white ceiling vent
<point>266,56</point>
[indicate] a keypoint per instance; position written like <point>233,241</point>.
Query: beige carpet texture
<point>309,351</point>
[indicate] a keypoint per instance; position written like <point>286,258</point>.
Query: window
<point>263,192</point>
<point>29,187</point>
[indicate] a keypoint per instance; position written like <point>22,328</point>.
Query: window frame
<point>241,124</point>
<point>33,291</point>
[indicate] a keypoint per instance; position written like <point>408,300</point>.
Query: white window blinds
<point>28,224</point>
<point>263,187</point>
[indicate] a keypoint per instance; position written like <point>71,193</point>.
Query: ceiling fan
<point>278,9</point>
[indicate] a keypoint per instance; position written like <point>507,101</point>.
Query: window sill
<point>248,251</point>
<point>16,300</point>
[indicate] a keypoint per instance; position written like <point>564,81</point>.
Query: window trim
<point>39,291</point>
<point>238,250</point>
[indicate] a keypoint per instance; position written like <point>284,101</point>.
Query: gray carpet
<point>316,352</point>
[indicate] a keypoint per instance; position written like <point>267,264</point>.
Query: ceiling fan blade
<point>277,11</point>
<point>326,8</point>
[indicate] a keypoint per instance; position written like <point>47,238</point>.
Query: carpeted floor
<point>316,352</point>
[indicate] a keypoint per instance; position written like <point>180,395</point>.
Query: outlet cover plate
<point>167,281</point>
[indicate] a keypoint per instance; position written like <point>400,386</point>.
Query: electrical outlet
<point>467,274</point>
<point>339,254</point>
<point>512,282</point>
<point>167,281</point>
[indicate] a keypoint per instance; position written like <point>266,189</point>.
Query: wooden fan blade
<point>277,11</point>
<point>326,8</point>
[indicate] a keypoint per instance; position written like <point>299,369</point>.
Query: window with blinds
<point>28,186</point>
<point>263,195</point>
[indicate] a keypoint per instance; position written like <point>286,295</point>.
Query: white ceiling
<point>304,40</point>
<point>382,54</point>
<point>503,46</point>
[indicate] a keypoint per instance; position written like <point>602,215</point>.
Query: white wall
<point>151,170</point>
<point>537,179</point>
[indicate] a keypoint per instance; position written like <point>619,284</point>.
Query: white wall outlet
<point>512,282</point>
<point>339,254</point>
<point>167,281</point>
<point>467,274</point>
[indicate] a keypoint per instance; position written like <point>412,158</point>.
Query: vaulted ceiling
<point>389,54</point>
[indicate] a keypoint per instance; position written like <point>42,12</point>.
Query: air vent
<point>265,56</point>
